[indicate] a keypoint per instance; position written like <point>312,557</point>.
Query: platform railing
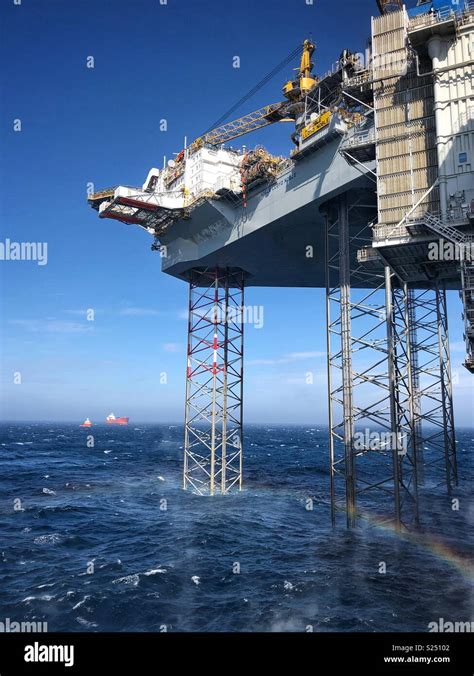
<point>360,138</point>
<point>441,15</point>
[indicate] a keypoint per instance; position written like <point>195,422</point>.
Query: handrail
<point>359,137</point>
<point>440,15</point>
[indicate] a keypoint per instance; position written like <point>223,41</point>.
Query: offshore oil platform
<point>380,189</point>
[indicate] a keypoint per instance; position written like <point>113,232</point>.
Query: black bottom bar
<point>427,653</point>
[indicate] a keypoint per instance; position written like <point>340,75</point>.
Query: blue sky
<point>101,125</point>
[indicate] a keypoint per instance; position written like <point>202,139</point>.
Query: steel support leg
<point>446,385</point>
<point>347,391</point>
<point>415,377</point>
<point>214,382</point>
<point>371,415</point>
<point>403,403</point>
<point>433,382</point>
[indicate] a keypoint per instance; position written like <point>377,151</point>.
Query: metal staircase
<point>436,225</point>
<point>454,235</point>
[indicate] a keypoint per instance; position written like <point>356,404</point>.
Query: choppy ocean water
<point>174,568</point>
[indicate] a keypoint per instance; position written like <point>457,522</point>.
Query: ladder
<point>454,235</point>
<point>436,225</point>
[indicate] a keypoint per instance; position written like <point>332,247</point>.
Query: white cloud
<point>293,356</point>
<point>286,359</point>
<point>318,378</point>
<point>51,326</point>
<point>77,313</point>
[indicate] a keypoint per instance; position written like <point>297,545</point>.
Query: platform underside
<point>276,254</point>
<point>279,237</point>
<point>269,237</point>
<point>290,251</point>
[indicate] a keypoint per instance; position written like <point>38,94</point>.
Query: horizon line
<point>181,423</point>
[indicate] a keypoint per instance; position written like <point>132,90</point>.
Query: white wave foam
<point>80,603</point>
<point>155,571</point>
<point>132,580</point>
<point>43,597</point>
<point>86,623</point>
<point>52,539</point>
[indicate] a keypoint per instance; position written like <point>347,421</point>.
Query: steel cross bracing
<point>431,368</point>
<point>415,377</point>
<point>404,402</point>
<point>467,295</point>
<point>214,379</point>
<point>371,408</point>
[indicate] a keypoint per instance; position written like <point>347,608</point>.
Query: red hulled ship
<point>112,420</point>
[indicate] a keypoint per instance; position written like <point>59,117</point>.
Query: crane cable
<point>255,89</point>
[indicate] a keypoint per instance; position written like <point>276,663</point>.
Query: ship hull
<point>118,421</point>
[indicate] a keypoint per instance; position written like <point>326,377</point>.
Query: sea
<point>103,538</point>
